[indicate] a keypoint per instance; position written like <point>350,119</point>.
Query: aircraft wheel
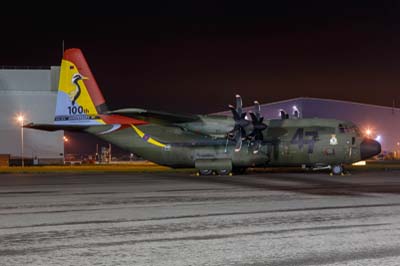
<point>223,172</point>
<point>337,169</point>
<point>205,172</point>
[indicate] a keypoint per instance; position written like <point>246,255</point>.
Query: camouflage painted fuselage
<point>209,143</point>
<point>288,142</point>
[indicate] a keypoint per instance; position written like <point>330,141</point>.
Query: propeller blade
<point>242,133</point>
<point>253,117</point>
<point>239,104</point>
<point>260,126</point>
<point>257,147</point>
<point>239,132</point>
<point>257,106</point>
<point>238,145</point>
<point>259,136</point>
<point>235,114</point>
<point>257,109</point>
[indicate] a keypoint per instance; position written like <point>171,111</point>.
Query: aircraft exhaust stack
<point>283,114</point>
<point>296,112</point>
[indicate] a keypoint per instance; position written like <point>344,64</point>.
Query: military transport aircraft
<point>210,143</point>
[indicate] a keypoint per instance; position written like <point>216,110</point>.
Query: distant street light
<point>66,139</point>
<point>20,119</point>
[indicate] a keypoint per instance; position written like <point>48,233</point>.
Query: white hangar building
<point>32,93</point>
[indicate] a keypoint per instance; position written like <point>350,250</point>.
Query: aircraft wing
<point>53,127</point>
<point>157,117</point>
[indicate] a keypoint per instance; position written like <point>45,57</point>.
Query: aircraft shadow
<point>308,183</point>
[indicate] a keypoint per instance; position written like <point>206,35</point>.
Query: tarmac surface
<point>183,219</point>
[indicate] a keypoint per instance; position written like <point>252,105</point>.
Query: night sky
<point>194,58</point>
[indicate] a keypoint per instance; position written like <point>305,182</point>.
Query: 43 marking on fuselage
<point>298,138</point>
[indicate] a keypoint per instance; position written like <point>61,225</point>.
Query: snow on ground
<point>181,219</point>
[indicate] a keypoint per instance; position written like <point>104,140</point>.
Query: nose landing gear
<point>337,169</point>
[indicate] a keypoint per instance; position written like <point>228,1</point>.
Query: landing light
<point>360,163</point>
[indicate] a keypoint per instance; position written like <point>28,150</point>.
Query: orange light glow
<point>20,118</point>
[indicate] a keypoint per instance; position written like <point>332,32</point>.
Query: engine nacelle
<point>215,126</point>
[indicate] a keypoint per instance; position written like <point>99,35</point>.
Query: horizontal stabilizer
<point>52,127</point>
<point>157,117</point>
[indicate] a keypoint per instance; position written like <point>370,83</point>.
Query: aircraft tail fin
<point>79,99</point>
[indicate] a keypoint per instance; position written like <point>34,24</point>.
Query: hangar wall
<point>31,92</point>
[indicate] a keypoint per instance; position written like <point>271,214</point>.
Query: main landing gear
<point>211,172</point>
<point>205,172</point>
<point>222,172</point>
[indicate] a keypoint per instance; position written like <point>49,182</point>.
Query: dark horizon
<point>196,64</point>
<point>194,58</point>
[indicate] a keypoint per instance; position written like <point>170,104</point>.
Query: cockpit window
<point>325,130</point>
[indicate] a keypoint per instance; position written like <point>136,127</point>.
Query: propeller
<point>238,133</point>
<point>258,126</point>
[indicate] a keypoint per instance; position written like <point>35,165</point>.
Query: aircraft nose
<point>369,148</point>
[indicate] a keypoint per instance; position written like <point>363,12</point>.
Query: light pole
<point>20,119</point>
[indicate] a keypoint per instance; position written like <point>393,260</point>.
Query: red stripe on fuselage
<point>123,120</point>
